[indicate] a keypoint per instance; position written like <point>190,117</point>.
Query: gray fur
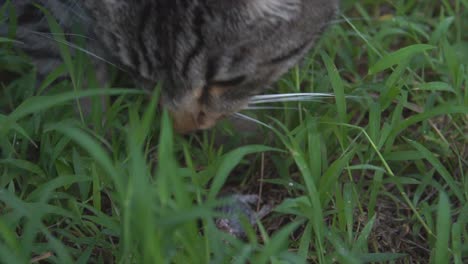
<point>244,45</point>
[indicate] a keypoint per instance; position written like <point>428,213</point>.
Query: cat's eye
<point>230,82</point>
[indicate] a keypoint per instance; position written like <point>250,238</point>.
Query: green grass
<point>378,174</point>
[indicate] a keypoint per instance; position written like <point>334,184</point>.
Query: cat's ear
<point>276,9</point>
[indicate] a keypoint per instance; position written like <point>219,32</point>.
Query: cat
<point>210,55</point>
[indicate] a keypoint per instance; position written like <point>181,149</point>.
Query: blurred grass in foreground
<point>380,174</point>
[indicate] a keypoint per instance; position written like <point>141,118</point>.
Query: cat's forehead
<point>193,42</point>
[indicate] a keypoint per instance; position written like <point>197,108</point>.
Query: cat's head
<point>211,55</point>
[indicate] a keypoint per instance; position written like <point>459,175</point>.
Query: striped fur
<point>211,55</point>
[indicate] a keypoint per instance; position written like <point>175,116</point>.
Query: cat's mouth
<point>191,114</point>
<point>186,122</point>
<point>201,108</point>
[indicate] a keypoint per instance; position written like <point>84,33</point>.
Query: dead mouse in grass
<point>241,207</point>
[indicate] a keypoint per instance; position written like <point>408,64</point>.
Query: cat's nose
<point>187,122</point>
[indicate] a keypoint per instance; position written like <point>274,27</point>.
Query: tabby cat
<point>211,55</point>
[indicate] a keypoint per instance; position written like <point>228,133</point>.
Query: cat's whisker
<point>286,95</point>
<point>248,118</point>
<point>70,34</point>
<point>15,41</point>
<point>296,97</point>
<point>269,108</point>
<point>343,20</point>
<point>71,45</point>
<point>73,8</point>
<point>282,100</point>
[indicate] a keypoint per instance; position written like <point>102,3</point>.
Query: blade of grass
<point>229,161</point>
<point>395,58</point>
<point>338,87</point>
<point>277,243</point>
<point>361,243</point>
<point>452,183</point>
<point>35,104</point>
<point>94,149</point>
<point>441,249</point>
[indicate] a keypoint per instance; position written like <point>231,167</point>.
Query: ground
<point>377,173</point>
